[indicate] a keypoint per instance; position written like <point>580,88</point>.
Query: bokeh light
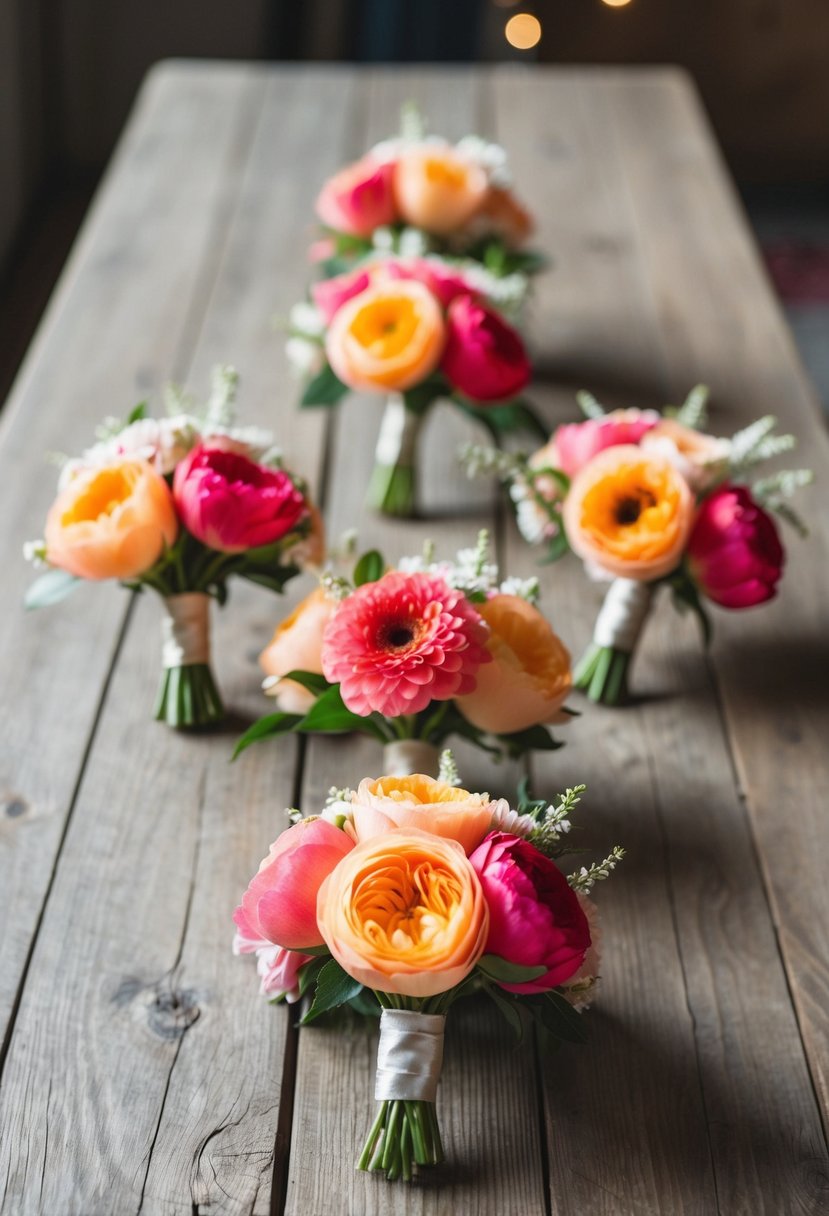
<point>616,3</point>
<point>523,31</point>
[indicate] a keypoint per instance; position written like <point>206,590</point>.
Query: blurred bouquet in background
<point>178,505</point>
<point>649,500</point>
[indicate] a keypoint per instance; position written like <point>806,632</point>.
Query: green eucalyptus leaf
<point>369,568</point>
<point>51,588</point>
<point>504,972</point>
<point>334,987</point>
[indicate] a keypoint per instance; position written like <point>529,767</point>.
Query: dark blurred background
<point>69,70</point>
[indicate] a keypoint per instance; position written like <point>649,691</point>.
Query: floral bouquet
<point>414,655</point>
<point>412,330</point>
<point>417,194</point>
<point>178,504</point>
<point>646,500</point>
<point>406,895</point>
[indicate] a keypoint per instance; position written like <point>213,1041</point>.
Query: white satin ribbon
<point>185,630</point>
<point>623,614</point>
<point>398,433</point>
<point>409,1056</point>
<point>407,756</point>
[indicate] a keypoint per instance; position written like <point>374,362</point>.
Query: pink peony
<point>484,358</point>
<point>535,918</point>
<point>280,904</point>
<point>442,279</point>
<point>577,442</point>
<point>734,553</point>
<point>359,198</point>
<point>230,503</point>
<point>277,967</point>
<point>399,643</point>
<point>329,295</point>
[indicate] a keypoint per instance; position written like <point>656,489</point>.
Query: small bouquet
<point>405,896</point>
<point>649,500</point>
<point>178,505</point>
<point>417,194</point>
<point>414,655</point>
<point>413,330</point>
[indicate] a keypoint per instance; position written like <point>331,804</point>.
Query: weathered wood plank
<point>215,1142</point>
<point>111,333</point>
<point>719,321</point>
<point>488,1102</point>
<point>723,996</point>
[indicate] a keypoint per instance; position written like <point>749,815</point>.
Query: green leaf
<point>556,548</point>
<point>503,972</point>
<point>51,588</point>
<point>329,715</point>
<point>137,413</point>
<point>325,389</point>
<point>334,987</point>
<point>561,1019</point>
<point>686,596</point>
<point>309,679</point>
<point>509,1009</point>
<point>308,973</point>
<point>534,738</point>
<point>418,399</point>
<point>589,406</point>
<point>272,725</point>
<point>366,1003</point>
<point>369,568</point>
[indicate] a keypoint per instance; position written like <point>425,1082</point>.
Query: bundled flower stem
<point>602,671</point>
<point>392,489</point>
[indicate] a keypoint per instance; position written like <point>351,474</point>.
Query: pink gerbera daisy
<point>398,644</point>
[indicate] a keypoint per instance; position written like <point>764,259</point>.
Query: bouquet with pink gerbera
<point>648,500</point>
<point>414,655</point>
<point>408,894</point>
<point>178,505</point>
<point>412,330</point>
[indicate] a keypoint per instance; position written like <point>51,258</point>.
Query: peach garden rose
<point>421,802</point>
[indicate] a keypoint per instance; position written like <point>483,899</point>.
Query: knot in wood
<point>172,1012</point>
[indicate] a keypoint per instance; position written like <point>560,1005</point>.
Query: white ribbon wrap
<point>407,756</point>
<point>185,630</point>
<point>398,434</point>
<point>409,1056</point>
<point>623,614</point>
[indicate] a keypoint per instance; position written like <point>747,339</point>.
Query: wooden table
<point>141,1071</point>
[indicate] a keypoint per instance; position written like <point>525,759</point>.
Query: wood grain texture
<point>692,873</point>
<point>771,666</point>
<point>111,334</point>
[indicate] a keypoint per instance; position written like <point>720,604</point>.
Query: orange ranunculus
<point>421,802</point>
<point>629,512</point>
<point>700,458</point>
<point>297,646</point>
<point>111,522</point>
<point>438,189</point>
<point>404,913</point>
<point>503,214</point>
<point>389,337</point>
<point>529,678</point>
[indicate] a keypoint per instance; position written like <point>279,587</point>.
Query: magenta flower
<point>280,904</point>
<point>399,643</point>
<point>578,442</point>
<point>278,968</point>
<point>329,295</point>
<point>484,357</point>
<point>231,503</point>
<point>734,554</point>
<point>359,198</point>
<point>439,277</point>
<point>535,918</point>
